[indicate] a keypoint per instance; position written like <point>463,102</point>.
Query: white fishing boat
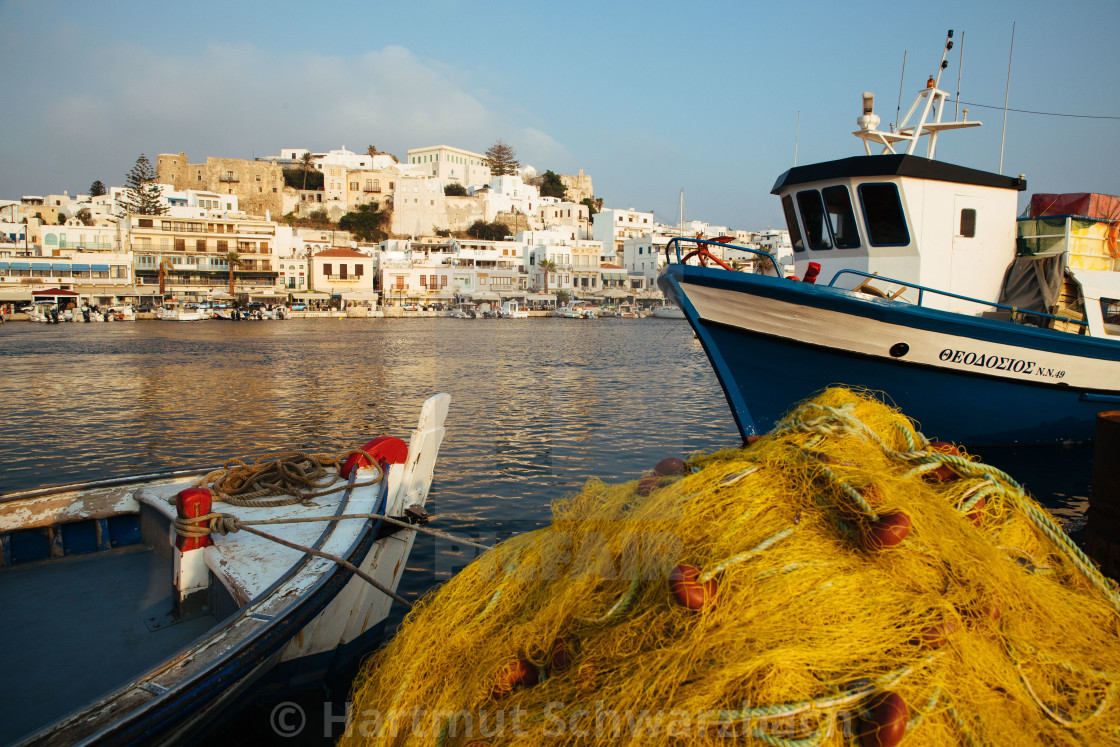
<point>667,311</point>
<point>512,310</point>
<point>139,610</point>
<point>919,281</point>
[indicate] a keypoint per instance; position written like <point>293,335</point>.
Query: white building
<point>451,165</point>
<point>611,226</point>
<point>510,194</point>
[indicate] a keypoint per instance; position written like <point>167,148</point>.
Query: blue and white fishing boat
<point>139,611</point>
<point>918,281</point>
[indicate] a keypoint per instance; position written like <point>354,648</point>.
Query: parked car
<point>298,307</point>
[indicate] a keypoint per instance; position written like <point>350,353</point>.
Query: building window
<point>200,245</point>
<point>327,269</point>
<point>359,270</point>
<point>342,272</point>
<point>180,245</point>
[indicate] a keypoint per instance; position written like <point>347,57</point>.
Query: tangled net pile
<point>840,581</point>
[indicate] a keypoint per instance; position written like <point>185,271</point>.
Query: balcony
<point>229,179</point>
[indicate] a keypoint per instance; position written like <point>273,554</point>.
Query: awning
<point>359,296</point>
<point>58,267</point>
<point>36,267</point>
<point>220,296</point>
<point>539,297</point>
<point>21,265</point>
<point>614,275</point>
<point>312,296</point>
<point>615,293</point>
<point>485,296</point>
<point>100,268</point>
<point>79,268</point>
<point>53,292</point>
<point>3,266</point>
<point>15,294</point>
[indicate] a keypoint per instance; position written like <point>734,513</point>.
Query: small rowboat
<point>141,616</point>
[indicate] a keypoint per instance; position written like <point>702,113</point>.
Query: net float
<point>935,636</point>
<point>649,484</point>
<point>516,674</point>
<point>671,467</point>
<point>558,657</point>
<point>884,723</point>
<point>688,590</point>
<point>887,531</point>
<point>943,473</point>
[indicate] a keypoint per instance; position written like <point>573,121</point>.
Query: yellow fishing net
<point>839,580</point>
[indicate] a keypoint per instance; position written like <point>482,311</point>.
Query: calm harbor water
<point>538,407</point>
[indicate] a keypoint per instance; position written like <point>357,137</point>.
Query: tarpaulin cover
<point>1033,283</point>
<point>1087,204</point>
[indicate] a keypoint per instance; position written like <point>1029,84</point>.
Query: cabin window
<point>882,209</point>
<point>791,222</point>
<point>812,217</point>
<point>968,223</point>
<point>841,218</point>
<point>1110,312</point>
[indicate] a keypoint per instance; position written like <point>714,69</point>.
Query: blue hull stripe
<point>763,375</point>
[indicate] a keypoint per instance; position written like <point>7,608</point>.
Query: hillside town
<point>343,230</point>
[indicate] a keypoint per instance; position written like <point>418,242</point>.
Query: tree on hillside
<point>85,216</point>
<point>97,189</point>
<point>480,229</point>
<point>552,186</point>
<point>142,194</point>
<point>297,178</point>
<point>306,160</point>
<point>365,223</point>
<point>593,205</point>
<point>502,159</point>
<point>455,189</point>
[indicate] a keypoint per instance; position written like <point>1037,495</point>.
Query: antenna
<point>1006,93</point>
<point>898,107</point>
<point>796,136</point>
<point>944,62</point>
<point>960,69</point>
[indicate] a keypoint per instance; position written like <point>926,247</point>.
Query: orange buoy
<point>890,529</point>
<point>516,674</point>
<point>885,723</point>
<point>649,484</point>
<point>943,473</point>
<point>688,590</point>
<point>752,440</point>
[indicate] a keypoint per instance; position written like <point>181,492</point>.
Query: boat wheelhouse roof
<point>894,165</point>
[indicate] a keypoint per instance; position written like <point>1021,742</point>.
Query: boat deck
<point>79,626</point>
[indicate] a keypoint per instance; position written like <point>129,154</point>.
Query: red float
<point>890,529</point>
<point>671,467</point>
<point>516,674</point>
<point>558,657</point>
<point>688,590</point>
<point>885,724</point>
<point>936,636</point>
<point>192,503</point>
<point>649,484</point>
<point>383,449</point>
<point>943,473</point>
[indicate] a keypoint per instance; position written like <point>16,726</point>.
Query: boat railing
<point>922,290</point>
<point>703,254</point>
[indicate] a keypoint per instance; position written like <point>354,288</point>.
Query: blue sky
<point>648,98</point>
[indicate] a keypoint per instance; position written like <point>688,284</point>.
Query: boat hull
<point>981,382</point>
